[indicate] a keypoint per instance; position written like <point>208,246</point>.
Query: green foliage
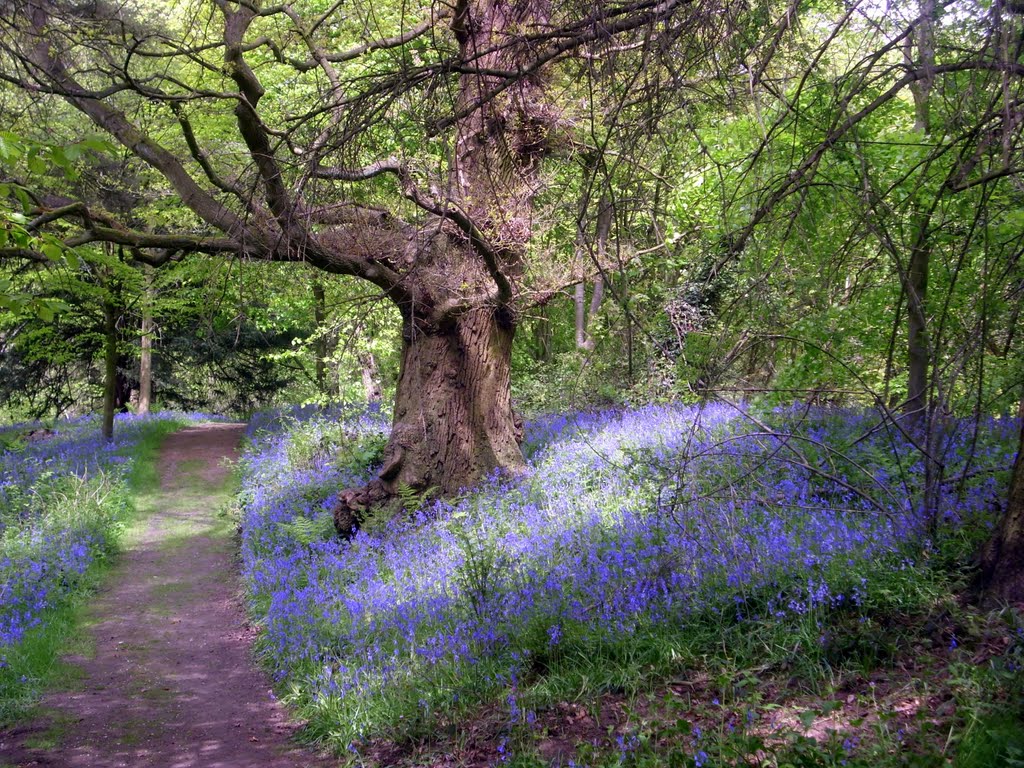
<point>319,442</point>
<point>36,158</point>
<point>309,530</point>
<point>570,380</point>
<point>412,499</point>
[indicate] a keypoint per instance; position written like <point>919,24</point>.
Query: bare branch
<point>390,42</point>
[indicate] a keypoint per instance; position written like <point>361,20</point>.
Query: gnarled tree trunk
<point>453,421</point>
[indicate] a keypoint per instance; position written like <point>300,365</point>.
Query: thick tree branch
<point>995,175</point>
<point>249,124</point>
<point>202,158</point>
<point>443,210</point>
<point>23,254</point>
<point>132,239</point>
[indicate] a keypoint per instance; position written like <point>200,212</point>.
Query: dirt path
<point>171,682</point>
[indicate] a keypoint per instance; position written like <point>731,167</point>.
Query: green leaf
<point>97,144</point>
<point>23,198</point>
<point>52,251</point>
<point>36,164</point>
<point>10,149</point>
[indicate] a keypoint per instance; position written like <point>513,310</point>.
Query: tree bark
<point>584,339</point>
<point>109,367</point>
<point>580,300</point>
<point>371,377</point>
<point>453,421</point>
<point>146,348</point>
<point>542,335</point>
<point>320,347</point>
<point>1002,564</point>
<point>918,352</point>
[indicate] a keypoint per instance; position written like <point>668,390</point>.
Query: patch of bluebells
<point>625,519</point>
<point>43,556</point>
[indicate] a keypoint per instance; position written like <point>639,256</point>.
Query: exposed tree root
<point>352,504</point>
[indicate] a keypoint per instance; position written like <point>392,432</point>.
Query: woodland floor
<point>168,678</point>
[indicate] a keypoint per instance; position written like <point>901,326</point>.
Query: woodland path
<point>169,681</point>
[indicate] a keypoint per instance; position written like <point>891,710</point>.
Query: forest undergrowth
<point>666,585</point>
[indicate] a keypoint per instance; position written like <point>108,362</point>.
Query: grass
<point>53,736</point>
<point>36,664</point>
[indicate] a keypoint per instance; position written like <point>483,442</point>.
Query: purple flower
<point>625,519</point>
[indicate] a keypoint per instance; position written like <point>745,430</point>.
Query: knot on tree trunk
<point>352,504</point>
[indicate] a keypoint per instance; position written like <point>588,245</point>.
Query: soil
<point>171,681</point>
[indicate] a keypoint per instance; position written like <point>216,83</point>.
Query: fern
<point>308,530</point>
<point>411,498</point>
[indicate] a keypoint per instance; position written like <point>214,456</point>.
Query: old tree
<point>414,159</point>
<point>454,155</point>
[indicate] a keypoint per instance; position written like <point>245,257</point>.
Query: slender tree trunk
<point>580,299</point>
<point>453,421</point>
<point>584,339</point>
<point>320,346</point>
<point>918,352</point>
<point>628,319</point>
<point>146,348</point>
<point>371,377</point>
<point>110,367</point>
<point>1002,566</point>
<point>920,409</point>
<point>542,336</point>
<point>596,299</point>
